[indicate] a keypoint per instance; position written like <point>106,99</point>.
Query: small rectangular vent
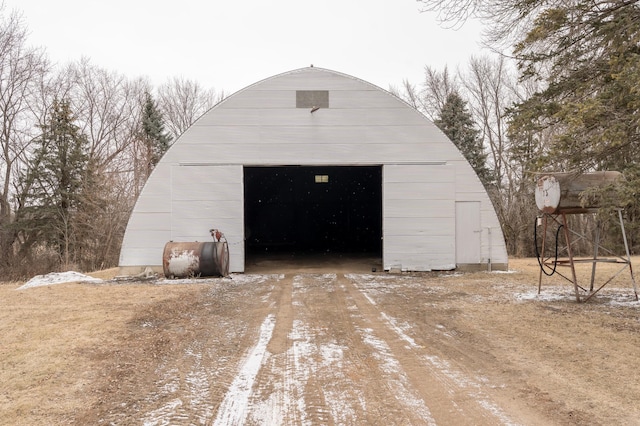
<point>312,98</point>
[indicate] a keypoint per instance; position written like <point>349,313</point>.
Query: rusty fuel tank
<point>561,192</point>
<point>195,259</point>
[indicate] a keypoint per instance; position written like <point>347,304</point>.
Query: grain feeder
<point>560,194</point>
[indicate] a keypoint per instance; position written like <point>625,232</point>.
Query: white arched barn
<point>313,160</point>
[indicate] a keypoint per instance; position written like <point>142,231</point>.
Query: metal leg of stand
<point>542,260</point>
<point>626,247</point>
<point>570,254</point>
<point>595,256</point>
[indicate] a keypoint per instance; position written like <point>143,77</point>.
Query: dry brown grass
<point>47,334</point>
<point>50,337</point>
<point>618,273</point>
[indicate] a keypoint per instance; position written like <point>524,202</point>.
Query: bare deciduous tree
<point>431,97</point>
<point>409,93</point>
<point>182,102</point>
<point>488,89</point>
<point>21,71</point>
<point>104,101</point>
<point>438,85</point>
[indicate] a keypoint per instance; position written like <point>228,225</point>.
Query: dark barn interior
<point>313,209</point>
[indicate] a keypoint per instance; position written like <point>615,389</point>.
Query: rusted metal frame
<point>570,253</point>
<point>579,235</point>
<point>568,264</point>
<point>626,262</point>
<point>595,255</point>
<point>626,248</point>
<point>607,282</point>
<point>572,261</point>
<point>546,260</point>
<point>544,239</point>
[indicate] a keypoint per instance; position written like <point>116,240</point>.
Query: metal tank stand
<point>551,263</point>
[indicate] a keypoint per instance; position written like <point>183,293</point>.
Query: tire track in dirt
<point>272,399</point>
<point>330,373</point>
<point>325,354</point>
<point>191,384</point>
<point>452,398</point>
<point>282,394</point>
<point>235,404</point>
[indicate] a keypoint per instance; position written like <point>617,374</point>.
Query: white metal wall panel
<point>148,228</point>
<point>435,226</point>
<point>303,117</point>
<point>261,99</point>
<point>156,196</point>
<point>143,247</point>
<point>226,135</point>
<point>409,242</point>
<point>304,153</point>
<point>206,197</point>
<point>362,98</point>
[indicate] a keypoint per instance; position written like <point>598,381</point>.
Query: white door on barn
<point>468,232</point>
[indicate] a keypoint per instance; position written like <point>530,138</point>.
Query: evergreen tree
<point>456,122</point>
<point>589,56</point>
<point>154,136</point>
<point>52,186</point>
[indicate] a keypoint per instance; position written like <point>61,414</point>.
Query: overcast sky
<point>230,44</point>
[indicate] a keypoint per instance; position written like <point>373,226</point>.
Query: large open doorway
<point>307,210</point>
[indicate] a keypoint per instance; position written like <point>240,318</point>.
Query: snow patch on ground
<point>58,278</point>
<point>234,407</point>
<point>239,279</point>
<point>611,296</point>
<point>160,417</point>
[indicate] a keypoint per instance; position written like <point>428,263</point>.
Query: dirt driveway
<point>339,347</point>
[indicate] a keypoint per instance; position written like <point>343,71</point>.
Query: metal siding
<point>154,196</point>
<point>408,244</point>
<point>362,98</point>
<point>150,220</point>
<point>306,153</point>
<point>193,212</point>
<point>153,203</point>
<point>141,256</point>
<point>303,117</point>
<point>417,253</point>
<point>422,190</point>
<point>225,135</point>
<point>261,99</point>
<point>192,229</point>
<point>439,226</point>
<point>143,247</point>
<point>418,208</point>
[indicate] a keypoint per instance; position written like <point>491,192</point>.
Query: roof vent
<point>312,99</point>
